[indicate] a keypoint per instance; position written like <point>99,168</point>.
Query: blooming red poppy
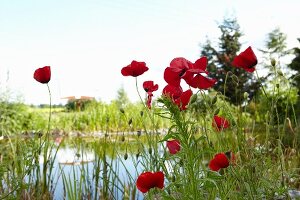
<point>181,68</point>
<point>180,98</point>
<point>246,60</point>
<point>220,123</point>
<point>148,180</point>
<point>219,161</point>
<point>200,81</point>
<point>42,75</point>
<point>177,70</point>
<point>149,86</point>
<point>173,146</point>
<point>174,92</point>
<point>184,99</point>
<point>134,69</point>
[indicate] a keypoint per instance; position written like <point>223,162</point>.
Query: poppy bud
<point>78,155</point>
<point>181,162</point>
<point>150,150</point>
<point>173,178</point>
<point>123,138</point>
<point>130,121</point>
<point>214,100</point>
<point>141,113</point>
<point>193,98</point>
<point>107,119</point>
<point>125,156</point>
<point>273,62</point>
<point>277,85</point>
<point>246,95</point>
<point>279,72</point>
<point>122,110</point>
<point>139,132</point>
<point>217,111</point>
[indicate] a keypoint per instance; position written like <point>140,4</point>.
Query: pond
<point>92,167</point>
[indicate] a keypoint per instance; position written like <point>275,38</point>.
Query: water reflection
<point>88,167</point>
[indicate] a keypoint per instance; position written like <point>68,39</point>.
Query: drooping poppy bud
<point>173,146</point>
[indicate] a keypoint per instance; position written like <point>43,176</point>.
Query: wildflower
<point>149,86</point>
<point>184,99</point>
<point>200,81</point>
<point>177,70</point>
<point>42,75</point>
<point>221,160</point>
<point>246,60</point>
<point>180,98</point>
<point>134,69</point>
<point>172,92</point>
<point>173,146</point>
<point>181,68</point>
<point>148,180</point>
<point>220,123</point>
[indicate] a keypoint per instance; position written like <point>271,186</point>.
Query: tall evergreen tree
<point>295,65</point>
<point>232,82</point>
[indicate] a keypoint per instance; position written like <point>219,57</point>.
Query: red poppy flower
<point>181,99</point>
<point>177,70</point>
<point>246,60</point>
<point>184,99</point>
<point>173,146</point>
<point>181,68</point>
<point>149,100</point>
<point>172,91</point>
<point>149,86</point>
<point>219,161</point>
<point>148,180</point>
<point>42,75</point>
<point>220,123</point>
<point>200,81</point>
<point>134,69</point>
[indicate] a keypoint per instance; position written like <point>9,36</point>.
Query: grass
<point>263,137</point>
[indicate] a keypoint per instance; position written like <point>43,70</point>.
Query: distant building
<point>77,103</point>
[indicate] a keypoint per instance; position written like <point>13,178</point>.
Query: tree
<point>295,65</point>
<point>232,82</point>
<point>122,98</point>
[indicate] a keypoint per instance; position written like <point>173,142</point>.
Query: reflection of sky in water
<point>73,162</point>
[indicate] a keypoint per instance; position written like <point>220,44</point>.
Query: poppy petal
<point>145,182</point>
<point>201,63</point>
<point>213,165</point>
<point>181,63</point>
<point>184,99</point>
<point>201,82</point>
<point>221,160</point>
<point>220,123</point>
<point>246,60</point>
<point>172,92</point>
<point>172,76</point>
<point>159,179</point>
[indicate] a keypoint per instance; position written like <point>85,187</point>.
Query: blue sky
<point>86,43</point>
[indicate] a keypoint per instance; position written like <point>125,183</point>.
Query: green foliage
<point>295,65</point>
<point>231,81</point>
